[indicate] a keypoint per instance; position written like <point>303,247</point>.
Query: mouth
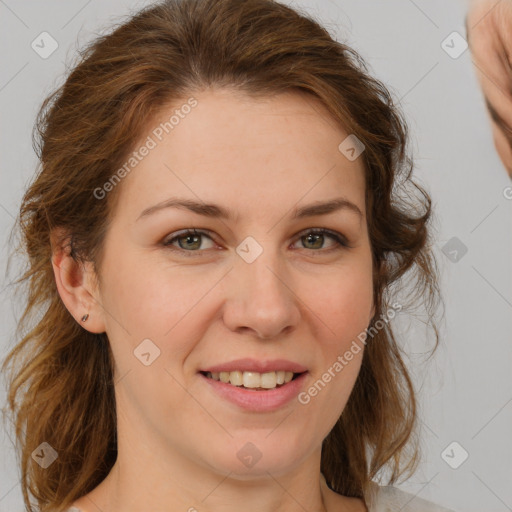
<point>254,381</point>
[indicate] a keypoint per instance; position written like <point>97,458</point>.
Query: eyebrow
<point>216,211</point>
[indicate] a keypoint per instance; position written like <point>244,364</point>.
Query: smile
<point>256,398</point>
<point>253,380</point>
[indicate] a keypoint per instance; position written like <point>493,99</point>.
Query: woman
<point>219,220</point>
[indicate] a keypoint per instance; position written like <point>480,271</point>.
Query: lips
<point>255,365</point>
<point>263,401</point>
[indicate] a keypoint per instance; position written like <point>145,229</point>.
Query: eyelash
<point>340,240</point>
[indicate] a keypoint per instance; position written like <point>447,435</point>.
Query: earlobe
<point>73,280</point>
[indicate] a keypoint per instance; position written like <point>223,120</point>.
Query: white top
<point>386,499</point>
<point>392,499</point>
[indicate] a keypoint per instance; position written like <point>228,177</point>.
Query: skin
<point>489,31</point>
<point>300,300</point>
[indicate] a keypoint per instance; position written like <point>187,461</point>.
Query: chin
<point>251,457</point>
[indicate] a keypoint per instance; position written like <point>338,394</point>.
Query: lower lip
<point>259,401</point>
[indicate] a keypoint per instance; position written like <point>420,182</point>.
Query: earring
<point>85,317</point>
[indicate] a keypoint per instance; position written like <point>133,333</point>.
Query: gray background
<point>466,391</point>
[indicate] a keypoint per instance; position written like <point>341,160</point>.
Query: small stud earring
<point>85,317</point>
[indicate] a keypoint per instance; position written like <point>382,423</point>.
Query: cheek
<point>343,302</point>
<point>148,297</point>
<point>344,309</point>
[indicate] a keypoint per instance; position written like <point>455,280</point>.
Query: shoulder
<point>389,498</point>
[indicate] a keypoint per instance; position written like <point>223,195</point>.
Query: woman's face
<point>254,285</point>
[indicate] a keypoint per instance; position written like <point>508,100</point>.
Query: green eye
<point>315,236</point>
<point>189,241</point>
<point>192,240</point>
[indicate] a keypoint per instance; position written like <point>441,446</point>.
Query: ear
<point>77,284</point>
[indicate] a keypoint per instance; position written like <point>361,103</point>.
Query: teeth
<point>253,380</point>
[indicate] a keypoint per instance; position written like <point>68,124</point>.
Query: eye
<point>315,238</point>
<point>188,241</point>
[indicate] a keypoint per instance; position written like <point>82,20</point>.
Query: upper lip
<point>254,365</point>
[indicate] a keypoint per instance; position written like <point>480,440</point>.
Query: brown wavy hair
<point>62,374</point>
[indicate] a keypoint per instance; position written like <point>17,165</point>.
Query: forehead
<point>247,151</point>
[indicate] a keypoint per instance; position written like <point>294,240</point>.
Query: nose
<point>261,298</point>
